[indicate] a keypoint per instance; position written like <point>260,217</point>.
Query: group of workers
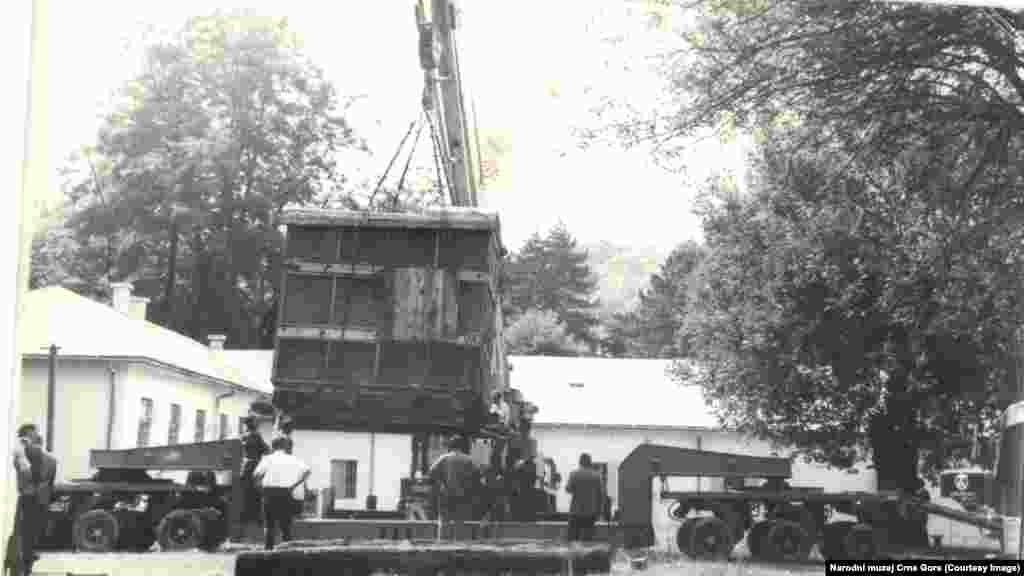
<point>273,480</point>
<point>36,473</point>
<point>457,481</point>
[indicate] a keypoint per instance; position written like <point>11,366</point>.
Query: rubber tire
<point>215,529</point>
<point>83,533</point>
<point>683,535</point>
<point>832,539</point>
<point>169,532</point>
<point>710,539</point>
<point>756,536</point>
<point>860,543</point>
<point>787,541</point>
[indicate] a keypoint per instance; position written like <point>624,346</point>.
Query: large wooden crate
<point>389,321</point>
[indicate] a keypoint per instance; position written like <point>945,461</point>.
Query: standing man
<point>254,448</point>
<point>280,474</point>
<point>455,479</point>
<point>588,499</point>
<point>14,560</point>
<point>37,472</point>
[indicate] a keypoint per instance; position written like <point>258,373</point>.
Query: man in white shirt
<point>280,476</point>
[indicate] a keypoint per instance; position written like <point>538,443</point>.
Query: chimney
<point>137,308</point>
<point>216,341</point>
<point>121,296</point>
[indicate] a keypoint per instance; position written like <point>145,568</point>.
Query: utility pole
<point>1011,463</point>
<point>51,395</point>
<point>456,151</point>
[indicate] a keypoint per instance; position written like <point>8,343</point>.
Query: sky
<point>531,68</point>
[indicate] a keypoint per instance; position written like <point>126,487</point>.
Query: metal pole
<point>51,393</point>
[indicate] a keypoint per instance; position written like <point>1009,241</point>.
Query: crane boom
<point>443,97</point>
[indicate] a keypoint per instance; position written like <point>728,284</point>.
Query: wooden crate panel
<point>360,302</point>
<point>351,364</point>
<point>403,364</point>
<point>301,359</point>
<point>397,248</point>
<point>313,243</point>
<point>465,249</point>
<point>307,299</point>
<point>425,304</point>
<point>475,309</point>
<point>454,367</point>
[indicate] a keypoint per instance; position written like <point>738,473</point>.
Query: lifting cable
<point>401,145</point>
<point>408,161</point>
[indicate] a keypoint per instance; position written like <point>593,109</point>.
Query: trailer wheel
<point>683,534</point>
<point>96,531</point>
<point>215,528</point>
<point>756,536</point>
<point>710,539</point>
<point>181,530</point>
<point>860,543</point>
<point>788,541</point>
<point>832,540</point>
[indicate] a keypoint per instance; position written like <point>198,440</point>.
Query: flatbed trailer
<point>122,508</point>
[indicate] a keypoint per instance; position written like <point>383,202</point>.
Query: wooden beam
<point>460,218</point>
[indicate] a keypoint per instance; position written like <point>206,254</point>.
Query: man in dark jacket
<point>254,448</point>
<point>588,499</point>
<point>456,479</point>
<point>37,471</point>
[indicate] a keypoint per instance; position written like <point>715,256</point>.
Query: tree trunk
<point>172,276</point>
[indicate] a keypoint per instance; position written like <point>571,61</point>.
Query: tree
<point>849,320</point>
<point>539,333</point>
<point>227,124</point>
<point>550,273</point>
<point>889,204</point>
<point>652,328</point>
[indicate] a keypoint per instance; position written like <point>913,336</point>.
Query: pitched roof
<point>608,392</point>
<point>85,328</point>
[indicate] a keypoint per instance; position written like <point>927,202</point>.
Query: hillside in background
<point>622,271</point>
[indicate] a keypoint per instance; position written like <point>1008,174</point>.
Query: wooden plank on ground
<point>316,558</point>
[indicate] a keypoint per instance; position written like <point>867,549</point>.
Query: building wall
<point>391,462</point>
<point>80,409</point>
<point>83,406</point>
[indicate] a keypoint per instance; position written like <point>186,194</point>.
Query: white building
<point>122,382</point>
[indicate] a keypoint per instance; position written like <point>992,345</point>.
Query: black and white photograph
<point>446,287</point>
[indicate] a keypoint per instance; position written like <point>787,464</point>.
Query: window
<point>174,427</point>
<point>145,422</point>
<point>200,425</point>
<point>224,424</point>
<point>343,478</point>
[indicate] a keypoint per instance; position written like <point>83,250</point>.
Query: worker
<point>588,499</point>
<point>254,448</point>
<point>280,475</point>
<point>455,480</point>
<point>36,471</point>
<point>523,484</point>
<point>14,562</point>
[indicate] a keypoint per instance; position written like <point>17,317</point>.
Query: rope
<point>408,161</point>
<point>392,162</point>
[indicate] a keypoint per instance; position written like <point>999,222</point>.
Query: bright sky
<point>515,55</point>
